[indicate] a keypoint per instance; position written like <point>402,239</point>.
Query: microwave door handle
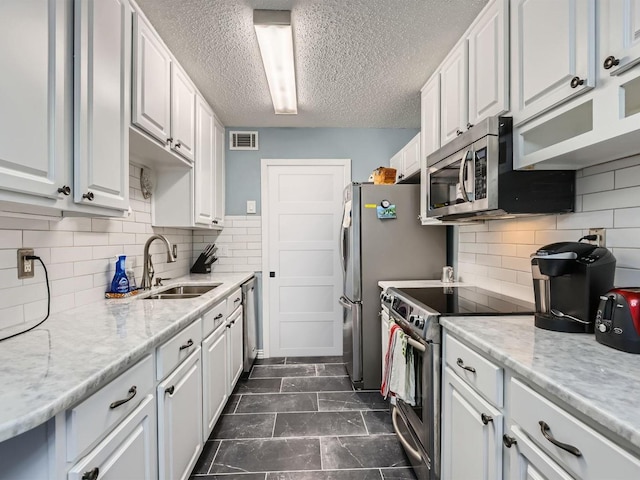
<point>463,164</point>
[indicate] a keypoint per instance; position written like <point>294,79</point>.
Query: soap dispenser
<point>120,282</point>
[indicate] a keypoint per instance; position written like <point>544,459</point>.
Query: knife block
<point>200,266</point>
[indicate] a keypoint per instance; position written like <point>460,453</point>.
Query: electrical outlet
<point>26,268</point>
<point>600,232</point>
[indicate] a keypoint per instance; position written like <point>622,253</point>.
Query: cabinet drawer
<point>598,457</point>
<point>477,371</point>
<point>213,318</point>
<point>172,352</point>
<point>234,301</point>
<point>95,416</point>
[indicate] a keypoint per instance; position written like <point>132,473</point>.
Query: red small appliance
<point>618,319</point>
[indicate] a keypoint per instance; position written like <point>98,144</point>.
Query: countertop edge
<point>101,378</point>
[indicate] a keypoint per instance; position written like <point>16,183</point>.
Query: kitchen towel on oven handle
<point>398,377</point>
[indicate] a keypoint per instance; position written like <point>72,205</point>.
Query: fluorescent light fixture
<point>275,38</point>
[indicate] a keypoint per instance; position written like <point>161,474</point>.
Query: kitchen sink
<point>182,291</point>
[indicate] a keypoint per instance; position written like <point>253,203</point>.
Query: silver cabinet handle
<point>91,474</point>
<point>187,345</point>
<point>130,394</point>
<point>218,317</point>
<point>544,428</point>
<point>461,364</point>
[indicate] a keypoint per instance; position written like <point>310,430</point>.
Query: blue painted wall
<point>368,148</point>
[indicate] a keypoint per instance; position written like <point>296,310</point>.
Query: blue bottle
<point>120,282</point>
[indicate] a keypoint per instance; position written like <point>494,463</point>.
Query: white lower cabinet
<point>471,433</point>
<point>235,346</point>
<point>127,452</point>
<point>542,439</point>
<point>214,378</point>
<point>180,419</point>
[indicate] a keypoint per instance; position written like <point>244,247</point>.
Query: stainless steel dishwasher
<point>250,319</point>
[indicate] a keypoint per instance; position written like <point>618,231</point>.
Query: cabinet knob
<point>215,222</point>
<point>91,474</point>
<point>576,81</point>
<point>458,132</point>
<point>610,62</point>
<point>65,189</point>
<point>486,418</point>
<point>401,176</point>
<point>508,441</point>
<point>178,145</point>
<point>89,196</point>
<point>169,141</point>
<point>170,390</point>
<point>469,125</point>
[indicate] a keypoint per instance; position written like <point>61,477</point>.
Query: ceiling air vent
<point>243,140</point>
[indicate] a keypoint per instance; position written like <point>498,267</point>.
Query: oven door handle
<point>408,448</point>
<point>461,173</point>
<point>417,345</point>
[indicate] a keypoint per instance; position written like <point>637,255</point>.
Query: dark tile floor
<point>300,419</point>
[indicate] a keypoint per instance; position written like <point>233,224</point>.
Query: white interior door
<point>302,210</point>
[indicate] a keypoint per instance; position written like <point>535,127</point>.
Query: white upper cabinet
<point>183,104</point>
<point>204,164</point>
<point>453,94</point>
<point>35,91</point>
<point>430,117</point>
<point>411,157</point>
<point>488,62</point>
<point>152,82</point>
<point>219,181</point>
<point>396,163</point>
<point>102,102</point>
<point>552,54</point>
<point>621,46</point>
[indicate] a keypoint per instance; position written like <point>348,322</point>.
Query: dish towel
<point>398,376</point>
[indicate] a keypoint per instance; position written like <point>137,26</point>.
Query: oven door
<point>422,420</point>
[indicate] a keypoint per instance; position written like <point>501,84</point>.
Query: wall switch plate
<point>600,232</point>
<point>223,250</point>
<point>26,269</point>
<point>251,206</point>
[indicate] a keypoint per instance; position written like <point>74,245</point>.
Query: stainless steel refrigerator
<point>376,246</point>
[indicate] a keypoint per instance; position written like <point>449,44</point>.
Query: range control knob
<point>417,320</point>
<point>603,327</point>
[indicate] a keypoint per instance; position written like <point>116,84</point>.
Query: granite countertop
<point>76,352</point>
<point>598,381</point>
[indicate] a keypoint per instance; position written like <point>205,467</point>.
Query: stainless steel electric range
<point>417,311</point>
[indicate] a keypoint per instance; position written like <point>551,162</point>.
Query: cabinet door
<point>204,163</point>
<point>102,102</point>
<point>127,452</point>
<point>214,378</point>
<point>396,162</point>
<point>471,433</point>
<point>219,181</point>
<point>430,118</point>
<point>235,345</point>
<point>552,42</point>
<point>488,62</point>
<point>36,97</point>
<point>623,32</point>
<point>528,462</point>
<point>411,157</point>
<point>151,82</point>
<point>183,103</point>
<point>454,98</point>
<point>180,420</point>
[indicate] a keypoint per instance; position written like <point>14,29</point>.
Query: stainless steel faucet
<point>147,272</point>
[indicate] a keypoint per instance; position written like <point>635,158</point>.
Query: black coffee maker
<point>568,280</point>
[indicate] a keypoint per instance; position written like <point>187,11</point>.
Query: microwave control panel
<point>481,174</point>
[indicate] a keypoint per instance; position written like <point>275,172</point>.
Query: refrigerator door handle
<point>343,260</point>
<point>345,303</point>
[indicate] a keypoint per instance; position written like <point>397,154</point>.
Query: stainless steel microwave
<point>472,177</point>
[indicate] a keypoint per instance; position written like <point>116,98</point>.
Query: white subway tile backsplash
<point>13,223</point>
<point>71,224</point>
<point>490,260</point>
<point>595,183</point>
<point>11,316</point>
<point>608,197</point>
<point>106,225</point>
<point>8,258</point>
<point>47,239</point>
<point>81,239</point>
<point>489,237</point>
<point>71,254</point>
<point>623,198</point>
<point>473,227</point>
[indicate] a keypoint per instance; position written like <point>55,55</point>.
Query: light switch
<point>251,206</point>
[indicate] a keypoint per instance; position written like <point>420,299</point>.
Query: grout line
<point>237,404</point>
<point>238,414</point>
<point>213,460</point>
<point>273,430</point>
<point>364,423</point>
<point>321,456</point>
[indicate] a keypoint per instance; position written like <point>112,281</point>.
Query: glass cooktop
<point>458,300</point>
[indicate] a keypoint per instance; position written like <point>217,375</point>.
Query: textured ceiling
<point>359,63</point>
